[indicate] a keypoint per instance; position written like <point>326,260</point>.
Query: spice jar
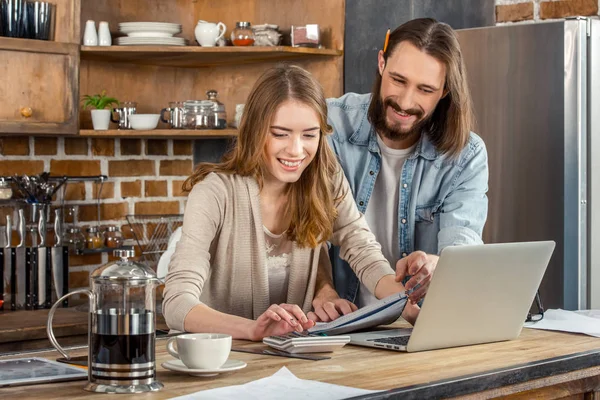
<point>74,239</point>
<point>93,239</point>
<point>5,190</point>
<point>113,237</point>
<point>242,35</point>
<point>219,114</point>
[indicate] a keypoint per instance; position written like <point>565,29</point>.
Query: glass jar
<point>113,237</point>
<point>219,110</point>
<point>74,239</point>
<point>197,114</point>
<point>242,35</point>
<point>5,190</point>
<point>93,239</point>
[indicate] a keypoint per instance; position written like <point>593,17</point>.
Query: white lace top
<point>279,250</point>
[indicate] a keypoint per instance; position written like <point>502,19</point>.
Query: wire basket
<point>152,233</point>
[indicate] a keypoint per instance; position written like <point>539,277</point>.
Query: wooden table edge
<point>568,367</point>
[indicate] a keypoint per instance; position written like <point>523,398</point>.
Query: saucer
<point>179,366</point>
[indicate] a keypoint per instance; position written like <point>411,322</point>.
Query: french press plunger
<point>121,356</point>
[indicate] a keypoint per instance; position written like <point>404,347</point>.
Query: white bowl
<point>144,122</point>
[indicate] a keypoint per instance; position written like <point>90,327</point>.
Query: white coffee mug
<point>201,350</point>
<point>207,33</point>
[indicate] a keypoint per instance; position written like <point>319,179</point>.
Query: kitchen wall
<point>368,20</point>
<point>145,177</point>
<point>524,11</point>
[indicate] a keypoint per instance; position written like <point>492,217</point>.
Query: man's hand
<point>421,266</point>
<point>328,306</point>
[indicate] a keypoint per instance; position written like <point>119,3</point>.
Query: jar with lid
<point>113,237</point>
<point>93,239</point>
<point>5,190</point>
<point>199,114</point>
<point>219,110</point>
<point>74,239</point>
<point>242,35</point>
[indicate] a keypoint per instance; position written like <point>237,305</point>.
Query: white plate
<point>150,24</point>
<point>179,366</point>
<point>158,41</point>
<point>150,34</point>
<point>140,31</point>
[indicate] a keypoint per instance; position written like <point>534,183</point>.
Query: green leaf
<point>98,101</point>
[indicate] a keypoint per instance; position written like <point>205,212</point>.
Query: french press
<point>121,357</point>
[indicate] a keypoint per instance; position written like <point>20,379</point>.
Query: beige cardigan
<point>220,260</point>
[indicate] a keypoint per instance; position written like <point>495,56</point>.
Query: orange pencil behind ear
<point>387,40</point>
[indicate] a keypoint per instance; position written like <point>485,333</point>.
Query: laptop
<point>478,294</point>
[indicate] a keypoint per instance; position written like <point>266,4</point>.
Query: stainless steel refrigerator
<point>536,92</point>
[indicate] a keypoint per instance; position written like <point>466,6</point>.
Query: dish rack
<point>151,234</point>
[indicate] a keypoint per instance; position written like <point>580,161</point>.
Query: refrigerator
<point>536,95</point>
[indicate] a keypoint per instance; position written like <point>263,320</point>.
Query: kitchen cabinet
<point>39,88</point>
<point>39,79</point>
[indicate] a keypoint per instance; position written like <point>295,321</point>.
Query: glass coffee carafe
<point>121,357</point>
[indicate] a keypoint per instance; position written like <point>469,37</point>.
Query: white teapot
<point>207,33</point>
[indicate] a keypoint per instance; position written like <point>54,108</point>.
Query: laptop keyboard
<point>397,340</point>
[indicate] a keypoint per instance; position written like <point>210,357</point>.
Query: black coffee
<point>122,349</point>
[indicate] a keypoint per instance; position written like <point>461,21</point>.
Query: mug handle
<point>171,348</point>
<point>49,331</point>
<point>114,110</point>
<point>162,115</point>
<point>222,26</point>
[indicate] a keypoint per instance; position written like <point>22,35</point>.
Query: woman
<point>255,225</point>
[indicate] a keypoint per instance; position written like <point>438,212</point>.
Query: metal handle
<point>21,228</point>
<point>162,115</point>
<point>8,231</point>
<point>115,110</point>
<point>171,348</point>
<point>26,112</point>
<point>49,331</point>
<point>57,229</point>
<point>42,228</point>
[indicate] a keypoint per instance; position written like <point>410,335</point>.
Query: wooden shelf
<point>161,133</point>
<point>196,56</point>
<point>37,46</point>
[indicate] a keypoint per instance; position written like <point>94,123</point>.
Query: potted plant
<point>100,116</point>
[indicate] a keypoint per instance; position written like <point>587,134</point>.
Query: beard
<point>395,131</point>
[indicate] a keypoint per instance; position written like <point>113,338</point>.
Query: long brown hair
<point>311,200</point>
<point>452,120</point>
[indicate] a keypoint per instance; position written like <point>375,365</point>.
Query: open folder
<point>384,312</point>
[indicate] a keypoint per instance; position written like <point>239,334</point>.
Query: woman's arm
<point>277,320</point>
<point>189,267</point>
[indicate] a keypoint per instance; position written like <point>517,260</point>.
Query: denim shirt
<point>443,200</point>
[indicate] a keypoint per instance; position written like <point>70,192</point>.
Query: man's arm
<point>462,217</point>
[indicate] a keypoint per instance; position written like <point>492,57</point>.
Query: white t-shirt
<point>278,249</point>
<point>382,209</point>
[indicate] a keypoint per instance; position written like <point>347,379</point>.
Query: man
<point>415,168</point>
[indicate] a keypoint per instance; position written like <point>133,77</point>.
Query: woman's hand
<point>279,320</point>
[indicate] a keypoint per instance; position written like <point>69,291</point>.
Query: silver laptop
<point>478,294</point>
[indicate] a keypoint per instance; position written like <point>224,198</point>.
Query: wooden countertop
<point>26,330</point>
<point>541,360</point>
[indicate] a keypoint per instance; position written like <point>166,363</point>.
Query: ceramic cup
<point>201,350</point>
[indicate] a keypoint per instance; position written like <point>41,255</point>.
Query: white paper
<point>583,321</point>
<point>281,385</point>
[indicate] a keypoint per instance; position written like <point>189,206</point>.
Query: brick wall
<point>523,11</point>
<point>144,177</point>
